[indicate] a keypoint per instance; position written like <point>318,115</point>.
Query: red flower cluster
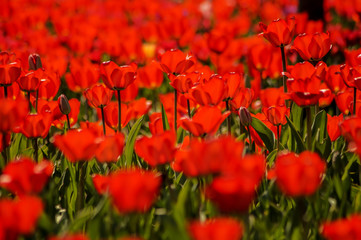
<point>347,228</point>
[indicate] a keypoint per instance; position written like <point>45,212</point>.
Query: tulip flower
<point>280,33</point>
<point>158,149</point>
<point>312,47</point>
<point>205,121</point>
<point>344,228</point>
<point>299,175</point>
<point>9,71</point>
<point>118,78</point>
<point>109,148</point>
<point>216,228</point>
<point>98,97</point>
<point>333,126</point>
<point>19,216</point>
<point>24,177</point>
<point>130,190</point>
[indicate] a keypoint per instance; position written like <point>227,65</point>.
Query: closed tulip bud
<point>245,117</point>
<point>63,104</point>
<point>34,62</point>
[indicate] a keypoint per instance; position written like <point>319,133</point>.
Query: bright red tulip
<point>131,190</point>
<point>9,71</point>
<point>98,96</point>
<point>234,83</point>
<point>158,149</point>
<point>30,81</point>
<point>205,121</point>
<point>215,229</point>
<point>150,76</point>
<point>156,123</point>
<point>345,228</point>
<point>211,92</point>
<point>184,82</point>
<point>111,115</point>
<point>304,83</point>
<point>117,77</point>
<point>37,125</point>
<point>280,32</point>
<point>109,148</point>
<point>12,113</point>
<point>234,190</point>
<point>19,216</point>
<point>24,176</point>
<point>272,97</point>
<point>312,47</point>
<point>176,62</point>
<point>299,175</point>
<point>83,75</point>
<point>334,79</point>
<point>77,145</point>
<point>277,114</point>
<point>333,126</point>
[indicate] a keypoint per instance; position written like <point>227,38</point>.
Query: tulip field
<point>180,119</point>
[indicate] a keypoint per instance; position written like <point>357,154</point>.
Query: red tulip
<point>299,175</point>
<point>12,113</point>
<point>212,92</point>
<point>334,79</point>
<point>117,77</point>
<point>111,115</point>
<point>158,149</point>
<point>333,126</point>
<point>19,216</point>
<point>131,190</point>
<point>30,81</point>
<point>304,83</point>
<point>83,75</point>
<point>156,123</point>
<point>176,62</point>
<point>37,125</point>
<point>277,114</point>
<point>312,47</point>
<point>205,121</point>
<point>345,228</point>
<point>77,145</point>
<point>279,32</point>
<point>98,96</point>
<point>215,229</point>
<point>24,177</point>
<point>150,76</point>
<point>9,72</point>
<point>110,148</point>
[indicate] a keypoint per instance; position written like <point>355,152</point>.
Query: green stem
<point>81,183</point>
<point>284,67</point>
<point>175,110</point>
<point>103,121</point>
<point>228,118</point>
<point>309,123</point>
<point>36,149</point>
<point>4,153</point>
<point>119,112</point>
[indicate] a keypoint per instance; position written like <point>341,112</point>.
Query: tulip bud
<point>63,104</point>
<point>34,62</point>
<point>244,117</point>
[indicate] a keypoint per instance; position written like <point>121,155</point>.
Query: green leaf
<point>165,120</point>
<point>296,136</point>
<point>320,124</point>
<point>264,132</point>
<point>271,157</point>
<point>129,148</point>
<point>297,116</point>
